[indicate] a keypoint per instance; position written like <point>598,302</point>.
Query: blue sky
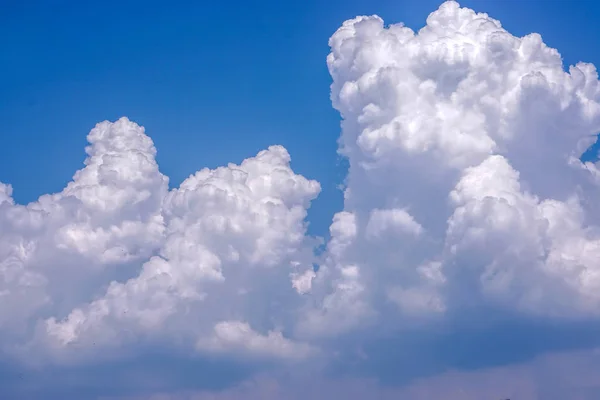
<point>215,83</point>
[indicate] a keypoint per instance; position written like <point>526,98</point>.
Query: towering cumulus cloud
<point>116,258</point>
<point>465,189</point>
<point>465,194</point>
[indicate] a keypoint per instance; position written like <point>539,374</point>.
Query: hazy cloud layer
<point>552,377</point>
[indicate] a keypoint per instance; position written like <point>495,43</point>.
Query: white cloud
<point>391,223</point>
<point>237,335</point>
<point>463,144</point>
<point>58,250</point>
<point>227,242</point>
<point>464,193</point>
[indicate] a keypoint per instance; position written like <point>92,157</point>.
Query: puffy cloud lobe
<point>241,337</point>
<point>213,248</point>
<point>465,187</point>
<point>539,251</point>
<point>229,231</point>
<point>105,219</point>
<point>391,221</point>
<point>345,307</point>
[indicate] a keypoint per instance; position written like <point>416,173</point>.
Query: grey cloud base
<point>555,376</point>
<point>466,208</point>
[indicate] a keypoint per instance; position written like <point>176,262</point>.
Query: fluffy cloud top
<point>464,193</point>
<point>465,188</point>
<point>116,258</point>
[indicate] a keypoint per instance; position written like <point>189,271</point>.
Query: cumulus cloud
<point>465,195</point>
<point>56,251</point>
<point>162,265</point>
<point>465,188</point>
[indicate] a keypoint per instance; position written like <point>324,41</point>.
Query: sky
<point>229,237</point>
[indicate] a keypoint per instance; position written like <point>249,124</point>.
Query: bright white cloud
<point>228,242</point>
<point>60,250</point>
<point>465,187</point>
<point>464,191</point>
